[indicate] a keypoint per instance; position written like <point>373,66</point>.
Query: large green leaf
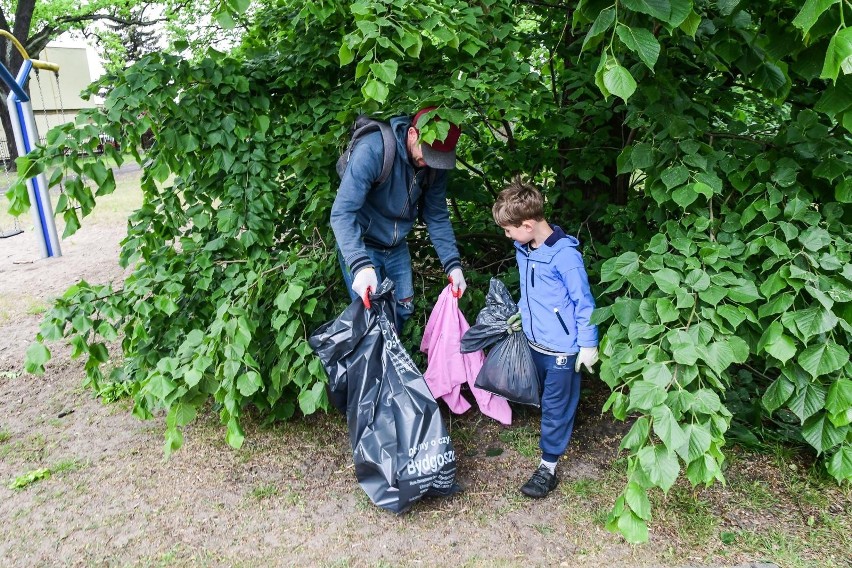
<point>674,176</point>
<point>698,442</point>
<point>619,82</point>
<point>813,321</point>
<point>660,465</point>
<point>624,265</point>
<point>667,280</point>
<point>839,397</point>
<point>645,395</point>
<point>637,436</point>
<point>839,55</point>
<point>807,400</point>
<point>782,348</point>
<point>719,356</point>
<point>632,527</point>
<point>660,9</point>
<point>823,359</point>
<point>810,13</point>
<point>822,434</point>
<point>840,465</point>
<point>602,23</point>
<point>667,429</point>
<point>777,394</point>
<point>642,42</point>
<point>637,500</point>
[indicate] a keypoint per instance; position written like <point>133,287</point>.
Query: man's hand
<point>364,283</point>
<point>513,324</point>
<point>588,356</point>
<point>457,281</point>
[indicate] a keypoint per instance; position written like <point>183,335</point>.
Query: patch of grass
<point>264,491</point>
<point>36,307</point>
<point>464,434</point>
<point>9,374</point>
<point>362,501</point>
<point>755,494</point>
<point>28,478</point>
<point>789,551</point>
<point>4,436</point>
<point>543,529</point>
<point>523,440</point>
<point>30,449</point>
<point>514,501</point>
<point>293,499</point>
<point>68,465</point>
<point>33,476</point>
<point>691,517</point>
<point>583,488</point>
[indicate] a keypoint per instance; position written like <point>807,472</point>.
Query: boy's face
<point>522,233</point>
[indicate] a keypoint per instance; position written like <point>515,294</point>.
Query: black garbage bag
<point>508,370</point>
<point>400,446</point>
<point>490,326</point>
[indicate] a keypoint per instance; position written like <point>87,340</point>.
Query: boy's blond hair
<point>518,202</point>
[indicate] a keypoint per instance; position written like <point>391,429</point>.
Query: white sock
<point>551,466</point>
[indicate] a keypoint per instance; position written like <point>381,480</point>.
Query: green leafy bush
<point>711,191</point>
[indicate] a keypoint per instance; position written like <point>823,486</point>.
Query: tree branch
<point>481,174</point>
<point>37,42</point>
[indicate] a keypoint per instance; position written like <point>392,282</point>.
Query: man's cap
<point>440,155</point>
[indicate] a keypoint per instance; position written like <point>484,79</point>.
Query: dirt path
<point>288,497</point>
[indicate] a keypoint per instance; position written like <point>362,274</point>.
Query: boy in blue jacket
<point>555,307</point>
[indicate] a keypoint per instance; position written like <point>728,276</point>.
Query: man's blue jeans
<point>393,263</point>
<point>560,395</point>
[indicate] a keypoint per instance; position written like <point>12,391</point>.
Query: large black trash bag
<point>490,326</point>
<point>400,446</point>
<point>508,370</point>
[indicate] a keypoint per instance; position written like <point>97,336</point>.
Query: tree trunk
<point>10,139</point>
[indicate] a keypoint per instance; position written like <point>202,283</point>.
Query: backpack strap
<point>365,125</point>
<point>389,141</point>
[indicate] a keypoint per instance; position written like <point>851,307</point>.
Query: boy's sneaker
<point>540,484</point>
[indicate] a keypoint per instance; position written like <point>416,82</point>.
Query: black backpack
<point>365,125</point>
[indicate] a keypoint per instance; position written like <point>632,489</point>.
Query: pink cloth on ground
<point>448,368</point>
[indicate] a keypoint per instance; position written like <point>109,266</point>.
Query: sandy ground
<point>289,496</point>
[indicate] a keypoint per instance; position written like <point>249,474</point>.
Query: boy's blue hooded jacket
<point>382,216</point>
<point>556,301</point>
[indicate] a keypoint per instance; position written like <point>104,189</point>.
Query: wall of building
<point>56,98</point>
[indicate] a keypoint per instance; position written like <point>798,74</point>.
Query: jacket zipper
<point>404,210</point>
<point>529,309</point>
<point>561,321</point>
<point>408,197</point>
<point>532,275</point>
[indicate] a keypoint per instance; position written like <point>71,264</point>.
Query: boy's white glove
<point>457,282</point>
<point>365,282</point>
<point>588,356</point>
<point>513,324</point>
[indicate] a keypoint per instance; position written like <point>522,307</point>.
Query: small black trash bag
<point>400,446</point>
<point>508,370</point>
<point>490,326</point>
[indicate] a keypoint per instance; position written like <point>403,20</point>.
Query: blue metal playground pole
<point>26,137</point>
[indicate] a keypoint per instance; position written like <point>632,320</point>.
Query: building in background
<point>56,98</point>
